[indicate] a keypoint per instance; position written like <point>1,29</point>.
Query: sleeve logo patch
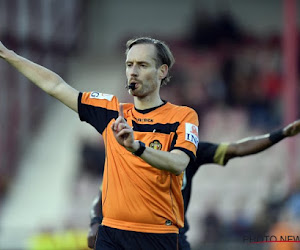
<point>191,133</point>
<point>101,96</point>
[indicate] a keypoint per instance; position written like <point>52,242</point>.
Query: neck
<point>147,102</point>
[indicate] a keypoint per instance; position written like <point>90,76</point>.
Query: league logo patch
<point>155,145</point>
<point>191,133</point>
<point>101,96</point>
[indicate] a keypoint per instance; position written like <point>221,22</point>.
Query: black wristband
<point>95,220</point>
<point>141,149</point>
<point>276,136</point>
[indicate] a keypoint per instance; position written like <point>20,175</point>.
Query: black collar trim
<point>145,111</point>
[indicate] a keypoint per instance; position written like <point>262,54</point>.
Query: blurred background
<point>237,65</point>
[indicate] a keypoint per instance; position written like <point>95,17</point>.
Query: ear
<point>163,71</point>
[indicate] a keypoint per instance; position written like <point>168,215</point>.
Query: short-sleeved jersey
<point>206,153</point>
<point>135,195</point>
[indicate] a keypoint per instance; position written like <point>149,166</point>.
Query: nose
<point>134,70</point>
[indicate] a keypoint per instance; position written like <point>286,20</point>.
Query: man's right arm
<point>44,78</point>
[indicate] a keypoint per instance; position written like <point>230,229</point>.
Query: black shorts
<point>112,238</point>
<point>183,243</point>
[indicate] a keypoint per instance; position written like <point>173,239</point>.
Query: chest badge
<point>155,145</point>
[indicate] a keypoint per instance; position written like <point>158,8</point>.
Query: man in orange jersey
<point>148,146</point>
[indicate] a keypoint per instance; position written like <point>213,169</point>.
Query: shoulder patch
<point>191,133</point>
<point>101,96</point>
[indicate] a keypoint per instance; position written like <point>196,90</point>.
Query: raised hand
<point>124,134</point>
<point>292,129</point>
<point>92,235</point>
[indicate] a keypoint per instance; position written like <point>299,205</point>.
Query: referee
<point>149,143</point>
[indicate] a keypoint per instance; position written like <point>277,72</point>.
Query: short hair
<point>163,53</point>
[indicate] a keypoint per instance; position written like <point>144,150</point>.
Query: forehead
<point>142,52</point>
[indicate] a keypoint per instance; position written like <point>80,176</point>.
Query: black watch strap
<point>141,149</point>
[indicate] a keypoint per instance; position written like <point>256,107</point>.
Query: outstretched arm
<point>96,220</point>
<point>45,79</point>
<point>253,145</point>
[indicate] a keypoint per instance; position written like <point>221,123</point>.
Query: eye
<point>128,64</point>
<point>143,65</point>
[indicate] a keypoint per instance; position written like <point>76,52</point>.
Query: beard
<point>143,90</point>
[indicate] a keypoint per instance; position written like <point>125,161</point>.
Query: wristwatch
<point>140,150</point>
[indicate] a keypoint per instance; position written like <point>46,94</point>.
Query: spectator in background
<point>285,229</point>
<point>209,33</point>
<point>212,225</point>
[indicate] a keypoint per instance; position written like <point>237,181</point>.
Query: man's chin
<point>131,92</point>
<point>137,94</point>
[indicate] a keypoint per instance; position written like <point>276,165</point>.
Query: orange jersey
<point>137,196</point>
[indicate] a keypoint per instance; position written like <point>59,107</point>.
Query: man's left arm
<point>174,161</point>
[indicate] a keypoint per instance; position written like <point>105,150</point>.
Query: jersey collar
<point>145,111</point>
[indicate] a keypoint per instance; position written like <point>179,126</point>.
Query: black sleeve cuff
<point>79,106</point>
<point>188,152</point>
<point>276,136</point>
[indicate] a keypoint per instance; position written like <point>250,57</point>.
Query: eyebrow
<point>138,62</point>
